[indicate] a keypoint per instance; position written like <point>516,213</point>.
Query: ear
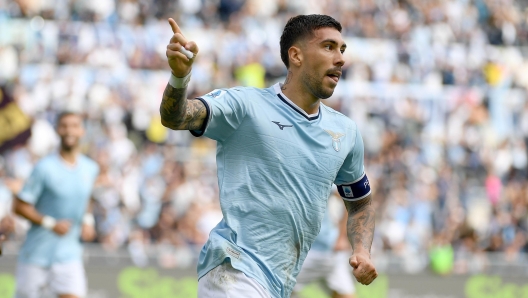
<point>295,55</point>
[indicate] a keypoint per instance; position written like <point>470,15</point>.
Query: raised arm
<point>360,231</point>
<point>177,112</point>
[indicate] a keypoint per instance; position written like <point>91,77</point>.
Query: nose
<point>339,59</point>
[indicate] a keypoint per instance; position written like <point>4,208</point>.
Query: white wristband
<point>179,82</point>
<point>48,222</point>
<point>89,219</point>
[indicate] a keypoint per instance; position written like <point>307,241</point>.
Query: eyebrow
<point>333,42</point>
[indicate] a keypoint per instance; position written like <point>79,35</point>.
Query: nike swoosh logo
<point>281,126</point>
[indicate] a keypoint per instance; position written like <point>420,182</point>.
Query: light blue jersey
<point>276,165</point>
<point>326,240</point>
<point>61,191</point>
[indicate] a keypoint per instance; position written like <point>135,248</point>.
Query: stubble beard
<point>315,85</point>
<point>67,147</point>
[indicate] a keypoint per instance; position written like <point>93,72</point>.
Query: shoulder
<point>246,92</point>
<point>242,97</point>
<point>50,158</point>
<point>338,118</point>
<point>236,92</point>
<point>46,166</point>
<point>88,163</point>
<point>245,89</point>
<point>46,162</point>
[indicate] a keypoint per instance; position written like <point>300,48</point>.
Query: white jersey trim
<point>278,91</point>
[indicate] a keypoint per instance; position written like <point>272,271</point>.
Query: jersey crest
<point>216,93</point>
<point>336,139</point>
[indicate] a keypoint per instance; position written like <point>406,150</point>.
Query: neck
<point>297,92</point>
<point>69,156</point>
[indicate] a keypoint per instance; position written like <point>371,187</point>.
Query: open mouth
<point>69,140</point>
<point>334,77</point>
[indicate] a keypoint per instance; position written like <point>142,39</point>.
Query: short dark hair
<point>303,26</point>
<point>65,114</point>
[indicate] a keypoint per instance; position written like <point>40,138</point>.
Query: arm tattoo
<point>360,225</point>
<point>179,113</point>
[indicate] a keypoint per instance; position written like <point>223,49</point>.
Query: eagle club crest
<point>336,139</point>
<point>216,93</point>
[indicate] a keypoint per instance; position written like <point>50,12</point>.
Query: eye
<point>342,51</point>
<point>328,47</point>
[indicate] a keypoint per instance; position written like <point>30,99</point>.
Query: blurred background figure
<point>440,86</point>
<point>54,199</point>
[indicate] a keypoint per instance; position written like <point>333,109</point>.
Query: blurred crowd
<point>438,89</point>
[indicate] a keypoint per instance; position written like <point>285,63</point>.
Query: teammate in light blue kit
<point>279,150</point>
<point>55,198</point>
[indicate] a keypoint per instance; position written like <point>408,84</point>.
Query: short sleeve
<point>226,110</point>
<point>352,182</point>
<point>33,186</point>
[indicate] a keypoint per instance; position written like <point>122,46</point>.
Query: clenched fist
<point>62,227</point>
<point>364,270</point>
<point>88,233</point>
<point>178,62</point>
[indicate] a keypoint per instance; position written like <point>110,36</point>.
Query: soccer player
<point>55,199</point>
<point>279,150</point>
<point>326,260</point>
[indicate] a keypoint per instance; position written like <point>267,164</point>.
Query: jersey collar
<point>68,164</point>
<point>291,104</point>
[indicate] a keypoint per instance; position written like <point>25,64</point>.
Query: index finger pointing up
<point>174,26</point>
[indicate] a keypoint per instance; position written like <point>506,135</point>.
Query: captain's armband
<point>355,190</point>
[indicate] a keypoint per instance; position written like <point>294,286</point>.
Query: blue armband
<point>356,190</point>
